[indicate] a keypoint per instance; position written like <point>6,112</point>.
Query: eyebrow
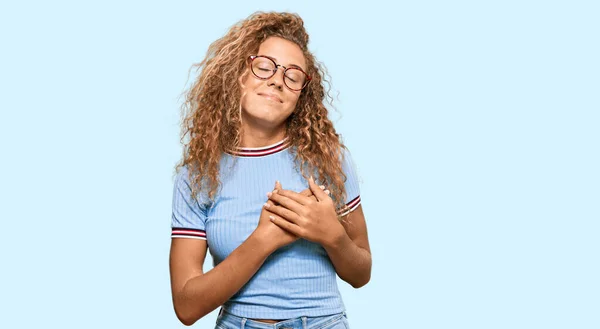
<point>290,65</point>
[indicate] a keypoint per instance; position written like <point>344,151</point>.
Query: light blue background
<point>474,126</point>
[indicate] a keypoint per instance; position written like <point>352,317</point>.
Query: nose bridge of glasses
<point>277,66</point>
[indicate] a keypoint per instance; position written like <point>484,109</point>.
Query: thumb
<point>278,185</point>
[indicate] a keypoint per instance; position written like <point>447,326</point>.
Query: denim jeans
<point>334,321</point>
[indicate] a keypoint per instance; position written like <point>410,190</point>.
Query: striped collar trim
<point>261,151</point>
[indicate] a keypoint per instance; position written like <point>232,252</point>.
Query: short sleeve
<point>351,184</point>
<point>189,215</point>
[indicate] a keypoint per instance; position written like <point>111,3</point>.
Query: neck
<point>259,137</point>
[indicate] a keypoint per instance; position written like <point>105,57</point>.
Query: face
<point>268,103</point>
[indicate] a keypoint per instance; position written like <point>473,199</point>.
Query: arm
<point>350,252</point>
<point>195,293</point>
<point>346,242</point>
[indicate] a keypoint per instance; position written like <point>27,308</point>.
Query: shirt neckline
<point>254,152</point>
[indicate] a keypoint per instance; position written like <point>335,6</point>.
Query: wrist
<point>339,241</point>
<point>262,243</point>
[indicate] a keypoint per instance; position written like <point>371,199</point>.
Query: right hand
<point>271,233</point>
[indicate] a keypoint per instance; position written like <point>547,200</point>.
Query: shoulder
<point>347,160</point>
<point>182,176</point>
<point>181,172</point>
<point>345,153</point>
<point>183,181</point>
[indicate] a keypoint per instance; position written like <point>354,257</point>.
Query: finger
<point>316,190</point>
<point>299,198</point>
<point>308,193</point>
<point>294,229</point>
<point>286,202</point>
<point>278,185</point>
<point>269,202</point>
<point>284,213</point>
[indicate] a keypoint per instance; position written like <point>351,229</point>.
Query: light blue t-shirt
<point>296,280</point>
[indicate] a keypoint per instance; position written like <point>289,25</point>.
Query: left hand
<point>316,221</point>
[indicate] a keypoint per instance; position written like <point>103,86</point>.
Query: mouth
<point>272,97</point>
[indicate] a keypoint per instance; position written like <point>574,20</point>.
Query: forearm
<point>352,263</point>
<point>204,293</point>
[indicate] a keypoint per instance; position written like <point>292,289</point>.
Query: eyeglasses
<point>264,68</point>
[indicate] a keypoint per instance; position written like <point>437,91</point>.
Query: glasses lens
<point>294,78</point>
<point>263,67</point>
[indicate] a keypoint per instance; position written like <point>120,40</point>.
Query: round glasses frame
<point>306,81</point>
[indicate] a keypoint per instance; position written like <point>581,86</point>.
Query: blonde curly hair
<point>212,117</point>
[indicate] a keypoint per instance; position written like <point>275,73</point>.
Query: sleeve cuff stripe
<point>354,202</point>
<point>350,206</point>
<point>188,232</point>
<point>188,237</point>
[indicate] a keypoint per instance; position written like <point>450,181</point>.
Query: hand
<point>313,220</point>
<point>271,233</point>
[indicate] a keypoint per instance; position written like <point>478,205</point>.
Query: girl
<point>266,185</point>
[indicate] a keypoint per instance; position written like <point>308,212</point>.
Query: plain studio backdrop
<point>474,127</point>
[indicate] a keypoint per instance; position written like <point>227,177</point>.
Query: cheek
<point>293,99</point>
<point>250,84</point>
<point>249,87</point>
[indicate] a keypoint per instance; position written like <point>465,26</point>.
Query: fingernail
<point>266,205</point>
<point>269,194</point>
<point>272,218</point>
<point>322,187</point>
<point>327,192</point>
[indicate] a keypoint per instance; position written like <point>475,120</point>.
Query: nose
<point>277,78</point>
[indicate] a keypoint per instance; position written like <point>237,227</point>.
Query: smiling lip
<point>271,97</point>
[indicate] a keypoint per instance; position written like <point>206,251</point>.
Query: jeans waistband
<point>227,320</point>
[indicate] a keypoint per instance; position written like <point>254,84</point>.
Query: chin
<point>265,117</point>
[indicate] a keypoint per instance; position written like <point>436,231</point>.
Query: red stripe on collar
<point>261,151</point>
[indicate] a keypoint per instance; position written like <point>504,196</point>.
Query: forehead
<point>284,52</point>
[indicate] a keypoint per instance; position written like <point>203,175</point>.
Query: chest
<point>235,213</point>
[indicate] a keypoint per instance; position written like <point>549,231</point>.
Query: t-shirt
<point>295,280</point>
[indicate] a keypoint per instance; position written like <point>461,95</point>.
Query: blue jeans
<point>334,321</point>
